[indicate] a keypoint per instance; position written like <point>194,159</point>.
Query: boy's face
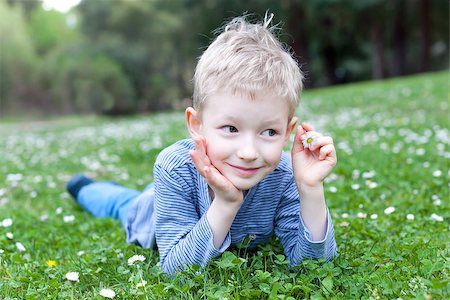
<point>245,137</point>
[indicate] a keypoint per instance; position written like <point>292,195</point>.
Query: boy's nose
<point>248,152</point>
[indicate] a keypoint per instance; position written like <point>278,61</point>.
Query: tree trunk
<point>425,35</point>
<point>296,26</point>
<point>328,52</point>
<point>399,58</point>
<point>378,59</point>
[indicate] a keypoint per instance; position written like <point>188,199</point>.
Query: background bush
<point>137,56</point>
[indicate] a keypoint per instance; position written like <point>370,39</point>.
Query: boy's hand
<point>220,185</point>
<point>312,166</point>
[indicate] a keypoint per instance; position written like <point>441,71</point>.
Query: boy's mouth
<point>244,171</point>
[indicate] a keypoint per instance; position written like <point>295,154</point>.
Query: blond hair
<point>246,58</point>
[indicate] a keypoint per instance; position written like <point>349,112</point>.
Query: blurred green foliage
<point>136,56</point>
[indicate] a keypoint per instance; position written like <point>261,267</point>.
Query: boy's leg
<point>106,199</point>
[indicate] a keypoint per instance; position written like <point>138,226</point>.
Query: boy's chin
<point>244,185</point>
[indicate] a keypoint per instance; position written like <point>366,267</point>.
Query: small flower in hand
<point>308,140</point>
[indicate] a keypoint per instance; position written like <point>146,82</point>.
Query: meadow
<point>388,197</point>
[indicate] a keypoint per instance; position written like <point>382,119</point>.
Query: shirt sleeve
<point>293,234</point>
<point>183,236</point>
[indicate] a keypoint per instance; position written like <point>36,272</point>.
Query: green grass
<point>392,139</point>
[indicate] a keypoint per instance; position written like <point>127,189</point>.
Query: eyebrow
<point>229,118</point>
<point>268,121</point>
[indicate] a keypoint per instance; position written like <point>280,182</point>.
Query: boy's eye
<point>269,132</point>
<point>229,129</point>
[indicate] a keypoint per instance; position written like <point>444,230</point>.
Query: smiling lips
<point>244,172</point>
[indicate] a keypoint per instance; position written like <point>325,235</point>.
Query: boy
<point>231,179</point>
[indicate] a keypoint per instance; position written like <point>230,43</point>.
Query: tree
<point>425,35</point>
<point>17,59</point>
<point>49,30</point>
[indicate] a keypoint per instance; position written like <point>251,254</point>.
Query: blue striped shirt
<point>182,199</point>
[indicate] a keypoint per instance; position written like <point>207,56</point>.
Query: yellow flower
<point>51,263</point>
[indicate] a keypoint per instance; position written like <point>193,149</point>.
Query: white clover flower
<point>107,293</point>
<point>43,218</point>
<point>2,251</point>
<point>420,152</point>
<point>124,176</point>
<point>369,174</point>
<point>332,177</point>
<point>437,173</point>
<point>141,284</point>
<point>14,177</point>
<point>135,258</point>
<point>410,217</point>
<point>20,247</point>
<point>59,210</point>
<point>333,189</point>
<point>51,185</point>
<point>437,217</point>
<point>389,210</point>
<point>374,216</point>
<point>3,201</point>
<point>9,235</point>
<point>73,276</point>
<point>309,140</point>
<point>344,215</point>
<point>69,219</point>
<point>371,184</point>
<point>437,202</point>
<point>344,224</point>
<point>7,222</point>
<point>80,253</point>
<point>355,186</point>
<point>361,215</point>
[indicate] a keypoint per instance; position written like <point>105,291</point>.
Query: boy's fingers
<point>300,130</point>
<point>203,164</point>
<point>198,163</point>
<point>313,133</point>
<point>327,151</point>
<point>322,141</point>
<point>200,148</point>
<point>297,146</point>
<point>211,178</point>
<point>214,179</point>
<point>307,126</point>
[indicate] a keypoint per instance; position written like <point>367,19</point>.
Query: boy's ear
<point>290,128</point>
<point>193,122</point>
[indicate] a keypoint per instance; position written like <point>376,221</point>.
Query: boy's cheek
<point>273,153</point>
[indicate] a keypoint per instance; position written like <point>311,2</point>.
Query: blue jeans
<point>106,199</point>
